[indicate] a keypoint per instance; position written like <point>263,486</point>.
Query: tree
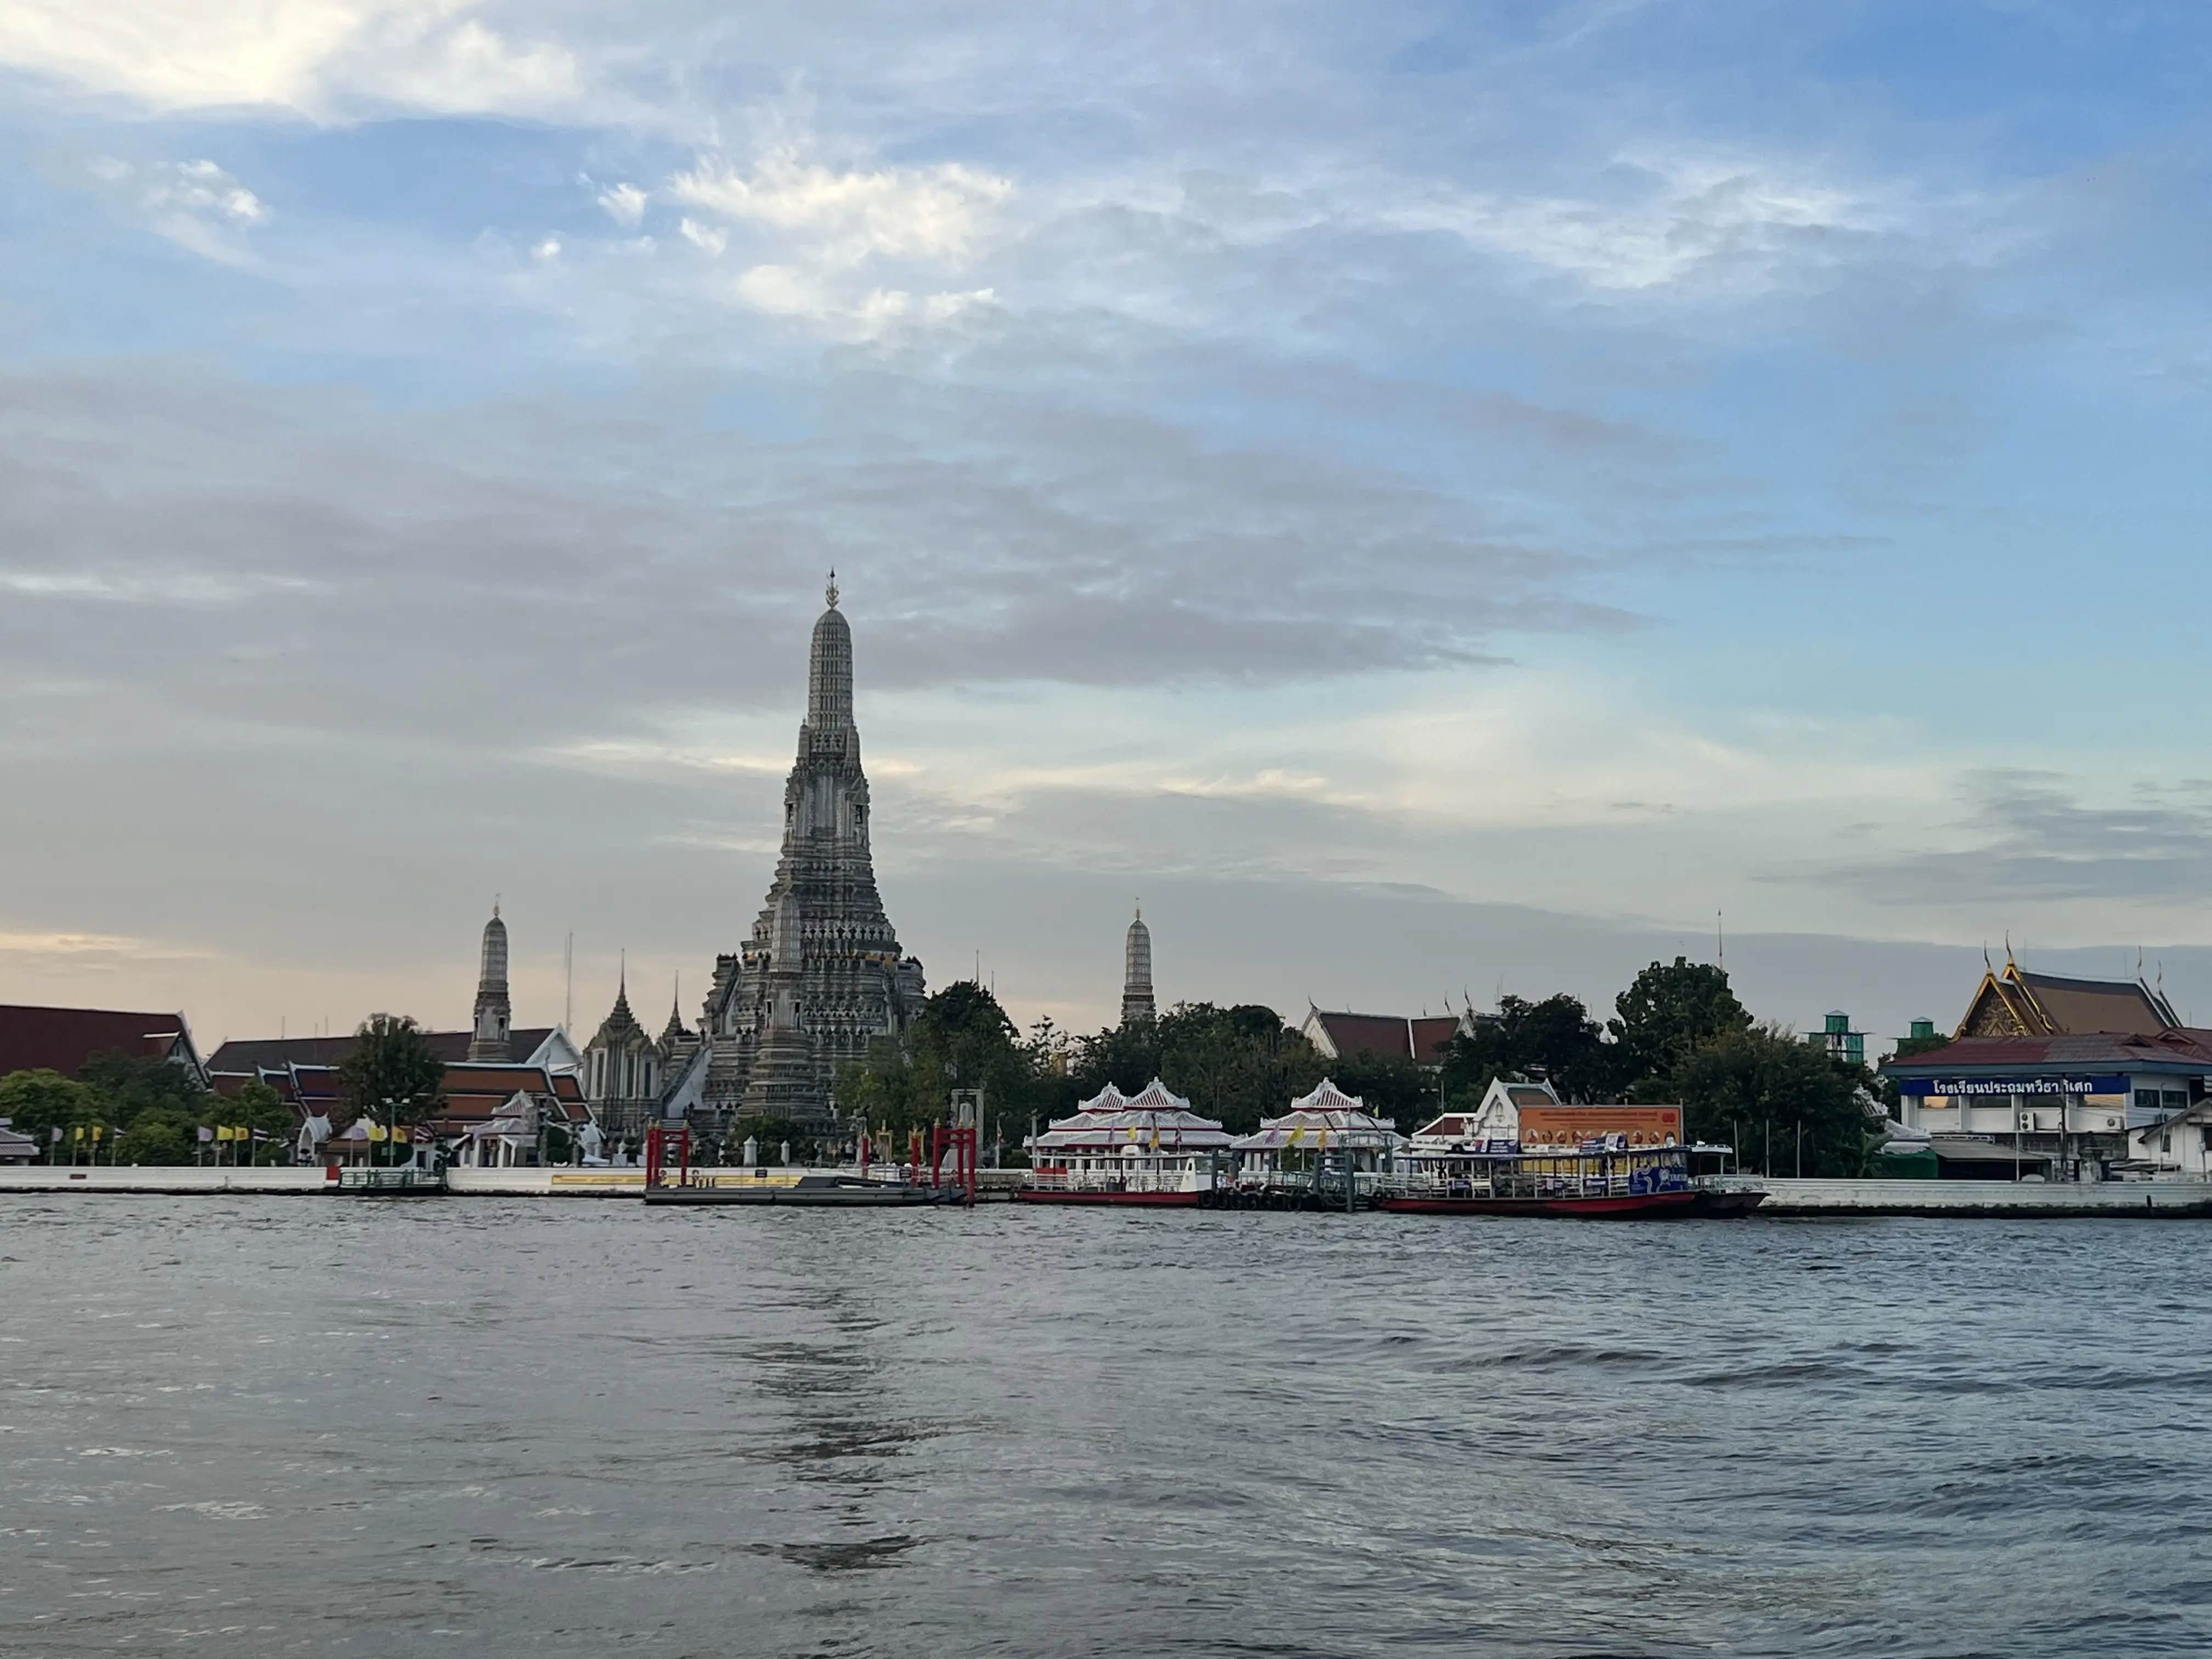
<point>1765,1085</point>
<point>257,1107</point>
<point>392,1060</point>
<point>131,1085</point>
<point>962,1039</point>
<point>36,1102</point>
<point>158,1137</point>
<point>1389,1086</point>
<point>1555,1039</point>
<point>1669,1011</point>
<point>1237,1064</point>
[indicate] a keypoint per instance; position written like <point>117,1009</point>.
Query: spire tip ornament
<point>829,591</point>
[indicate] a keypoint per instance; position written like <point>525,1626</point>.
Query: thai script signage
<point>2002,1086</point>
<point>1570,1125</point>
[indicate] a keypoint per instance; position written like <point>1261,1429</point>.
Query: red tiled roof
<point>1366,1034</point>
<point>244,1053</point>
<point>62,1039</point>
<point>1430,1035</point>
<point>2077,1050</point>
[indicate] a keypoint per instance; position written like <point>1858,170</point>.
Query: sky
<point>1434,499</point>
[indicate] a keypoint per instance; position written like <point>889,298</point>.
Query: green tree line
<point>1677,1034</point>
<point>151,1111</point>
<point>147,1111</point>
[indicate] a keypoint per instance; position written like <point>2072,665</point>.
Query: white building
<point>1493,1125</point>
<point>1326,1121</point>
<point>1151,1142</point>
<point>2180,1147</point>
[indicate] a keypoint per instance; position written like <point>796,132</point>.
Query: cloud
<point>1715,226</point>
<point>847,217</point>
<point>2029,838</point>
<point>318,57</point>
<point>625,204</point>
<point>710,240</point>
<point>824,231</point>
<point>200,206</point>
<point>68,945</point>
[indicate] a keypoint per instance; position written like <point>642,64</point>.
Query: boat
<point>834,1190</point>
<point>1602,1178</point>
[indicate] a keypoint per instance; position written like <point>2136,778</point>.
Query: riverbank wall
<point>2006,1200</point>
<point>1786,1197</point>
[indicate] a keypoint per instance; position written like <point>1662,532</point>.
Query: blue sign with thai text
<point>2001,1087</point>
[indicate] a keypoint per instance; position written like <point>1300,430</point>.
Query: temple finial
<point>829,592</point>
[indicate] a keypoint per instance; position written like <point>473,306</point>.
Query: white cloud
<point>625,204</point>
<point>316,57</point>
<point>204,187</point>
<point>66,945</point>
<point>708,237</point>
<point>843,219</point>
<point>195,203</point>
<point>823,228</point>
<point>547,251</point>
<point>1733,225</point>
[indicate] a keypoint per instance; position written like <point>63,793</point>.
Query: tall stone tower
<point>821,976</point>
<point>1137,972</point>
<point>487,1039</point>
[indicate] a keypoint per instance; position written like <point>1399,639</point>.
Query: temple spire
<point>829,671</point>
<point>488,1037</point>
<point>1137,1001</point>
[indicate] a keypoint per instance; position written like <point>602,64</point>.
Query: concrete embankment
<point>62,1178</point>
<point>1968,1198</point>
<point>471,1183</point>
<point>540,1183</point>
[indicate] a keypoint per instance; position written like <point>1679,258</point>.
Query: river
<point>479,1427</point>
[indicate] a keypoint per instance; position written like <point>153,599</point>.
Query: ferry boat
<point>1604,1176</point>
<point>1147,1150</point>
<point>830,1189</point>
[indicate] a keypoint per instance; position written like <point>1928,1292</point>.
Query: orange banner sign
<point>1570,1125</point>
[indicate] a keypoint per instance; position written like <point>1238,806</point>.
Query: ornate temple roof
<point>1325,1118</point>
<point>2012,1002</point>
<point>1111,1120</point>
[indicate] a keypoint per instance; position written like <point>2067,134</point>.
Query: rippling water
<point>278,1425</point>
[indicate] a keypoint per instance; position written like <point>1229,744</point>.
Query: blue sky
<point>1608,462</point>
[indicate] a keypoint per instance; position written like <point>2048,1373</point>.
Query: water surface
<point>473,1426</point>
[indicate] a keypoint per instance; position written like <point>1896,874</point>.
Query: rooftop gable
<point>33,1038</point>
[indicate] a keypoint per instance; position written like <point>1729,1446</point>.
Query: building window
<point>2175,1100</point>
<point>2146,1099</point>
<point>2166,1142</point>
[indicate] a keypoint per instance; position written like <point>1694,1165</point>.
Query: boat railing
<point>1117,1181</point>
<point>1537,1175</point>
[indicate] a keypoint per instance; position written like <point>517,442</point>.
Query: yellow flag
<point>375,1131</point>
<point>222,1131</point>
<point>1297,1134</point>
<point>77,1132</point>
<point>402,1133</point>
<point>96,1131</point>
